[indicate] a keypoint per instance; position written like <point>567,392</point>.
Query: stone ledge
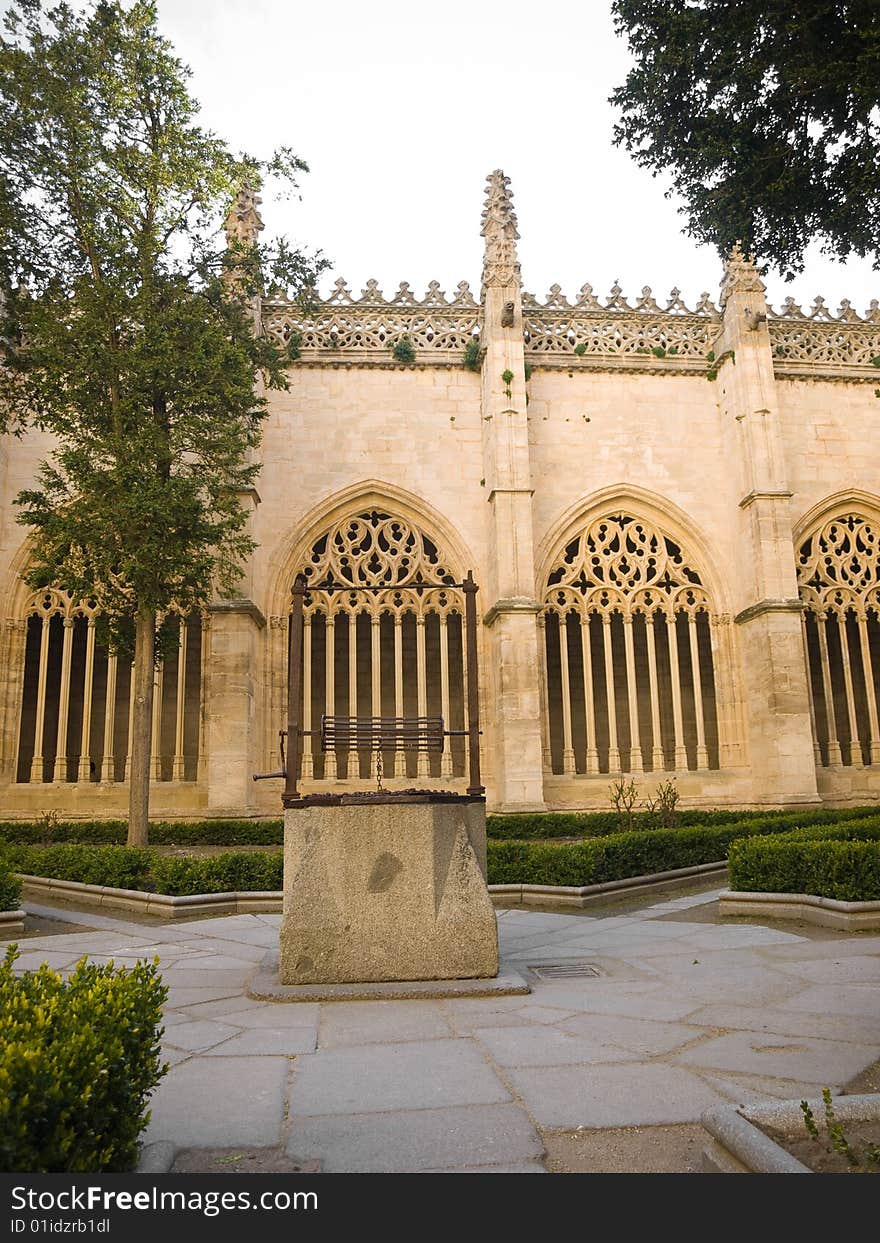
<point>265,985</point>
<point>584,895</point>
<point>740,1146</point>
<point>163,905</point>
<point>11,923</point>
<point>811,909</point>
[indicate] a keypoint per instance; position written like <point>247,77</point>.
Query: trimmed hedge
<point>516,826</point>
<point>161,833</point>
<point>521,825</point>
<point>123,867</point>
<point>10,889</point>
<point>845,868</point>
<point>616,856</point>
<point>80,1059</point>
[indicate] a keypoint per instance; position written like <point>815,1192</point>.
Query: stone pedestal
<point>386,890</point>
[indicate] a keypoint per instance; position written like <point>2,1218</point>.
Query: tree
<point>767,115</point>
<point>128,327</point>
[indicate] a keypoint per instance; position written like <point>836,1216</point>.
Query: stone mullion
<point>681,760</point>
<point>60,766</point>
<point>130,724</point>
<point>834,753</point>
<point>156,733</point>
<point>546,753</point>
<point>206,636</point>
<point>307,754</point>
<point>353,762</point>
<point>423,768</point>
<point>699,711</point>
<point>635,744</point>
<point>817,750</point>
<point>84,769</point>
<point>592,754</point>
<point>855,745</point>
<point>399,756</point>
<point>568,764</point>
<point>446,757</point>
<point>108,762</point>
<point>613,749</point>
<point>658,757</point>
<point>38,762</point>
<point>870,695</point>
<point>375,670</point>
<point>330,770</point>
<point>178,769</point>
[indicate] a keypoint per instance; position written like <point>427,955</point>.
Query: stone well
<point>386,887</point>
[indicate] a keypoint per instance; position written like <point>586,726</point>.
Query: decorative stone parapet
<point>386,890</point>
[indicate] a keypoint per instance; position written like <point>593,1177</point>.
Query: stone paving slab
<point>856,969</point>
<point>819,1061</point>
<point>213,1102</point>
<point>373,1022</point>
<point>271,1041</point>
<point>840,1028</point>
<point>540,1046</point>
<point>417,1075</point>
<point>401,1141</point>
<point>856,999</point>
<point>641,1036</point>
<point>604,1096</point>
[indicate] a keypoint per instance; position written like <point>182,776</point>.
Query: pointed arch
<point>837,559</point>
<point>630,601</point>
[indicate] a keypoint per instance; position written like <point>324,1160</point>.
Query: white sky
<point>402,109</point>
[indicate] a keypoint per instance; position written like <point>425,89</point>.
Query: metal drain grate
<point>565,970</point>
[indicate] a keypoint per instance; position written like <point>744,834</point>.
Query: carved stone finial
<point>500,264</point>
<point>740,275</point>
<point>243,221</point>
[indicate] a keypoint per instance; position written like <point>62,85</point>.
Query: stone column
<point>508,596</point>
<point>232,751</point>
<point>768,610</point>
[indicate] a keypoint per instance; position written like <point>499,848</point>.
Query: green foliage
<point>597,823</point>
<point>866,1161</point>
<point>80,1058</point>
<point>580,349</point>
<point>120,867</point>
<point>659,351</point>
<point>294,346</point>
<point>472,354</point>
<point>616,856</point>
<point>227,873</point>
<point>623,795</point>
<point>403,350</point>
<point>527,371</point>
<point>763,116</point>
<point>847,870</point>
<point>10,888</point>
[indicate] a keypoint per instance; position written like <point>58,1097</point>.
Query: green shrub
<point>120,867</point>
<point>596,824</point>
<point>161,833</point>
<point>843,867</point>
<point>219,874</point>
<point>10,889</point>
<point>614,856</point>
<point>79,1060</point>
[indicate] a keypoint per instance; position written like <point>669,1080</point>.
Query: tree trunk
<point>141,729</point>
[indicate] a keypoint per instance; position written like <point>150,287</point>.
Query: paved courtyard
<point>673,1012</point>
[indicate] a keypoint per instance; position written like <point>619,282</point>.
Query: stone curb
<point>264,985</point>
<point>11,923</point>
<point>156,1158</point>
<point>269,902</point>
<point>811,909</point>
<point>740,1146</point>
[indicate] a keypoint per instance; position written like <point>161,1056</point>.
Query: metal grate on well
<point>565,970</point>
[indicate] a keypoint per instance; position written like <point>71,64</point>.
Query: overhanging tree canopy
<point>766,113</point>
<point>128,333</point>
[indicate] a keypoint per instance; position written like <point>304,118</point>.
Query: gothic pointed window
<point>629,669</point>
<point>838,569</point>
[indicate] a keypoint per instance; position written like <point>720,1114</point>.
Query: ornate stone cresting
<point>243,221</point>
<point>500,263</point>
<point>740,275</point>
